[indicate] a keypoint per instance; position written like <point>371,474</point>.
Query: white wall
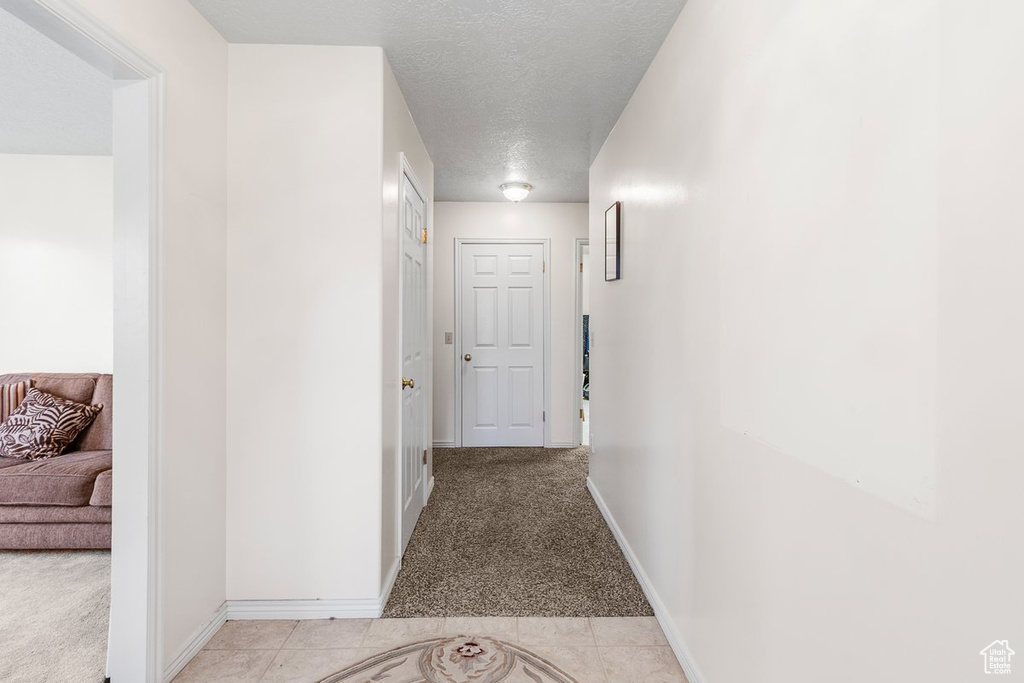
<point>304,322</point>
<point>57,263</point>
<point>821,249</point>
<point>192,304</point>
<point>400,136</point>
<point>562,224</point>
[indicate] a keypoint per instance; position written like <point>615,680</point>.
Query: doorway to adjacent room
<point>583,337</point>
<point>136,92</point>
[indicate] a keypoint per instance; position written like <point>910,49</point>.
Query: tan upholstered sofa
<point>62,502</point>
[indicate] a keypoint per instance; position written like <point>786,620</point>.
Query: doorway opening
<point>583,336</point>
<point>511,529</point>
<point>132,651</point>
<point>56,232</point>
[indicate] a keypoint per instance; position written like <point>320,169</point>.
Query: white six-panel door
<point>502,344</point>
<point>414,357</point>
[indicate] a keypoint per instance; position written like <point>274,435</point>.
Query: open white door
<point>414,357</point>
<point>502,344</point>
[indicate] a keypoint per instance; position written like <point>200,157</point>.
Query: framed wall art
<point>613,242</point>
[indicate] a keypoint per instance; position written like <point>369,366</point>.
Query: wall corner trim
<point>389,581</point>
<point>198,642</point>
<point>679,647</point>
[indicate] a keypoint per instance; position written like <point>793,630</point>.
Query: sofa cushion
<point>11,395</point>
<point>65,480</point>
<point>73,387</point>
<point>44,425</point>
<point>11,462</point>
<point>54,536</point>
<point>99,435</point>
<point>102,491</point>
<point>54,514</point>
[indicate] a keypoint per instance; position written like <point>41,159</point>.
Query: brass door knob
<point>411,383</point>
<point>468,357</point>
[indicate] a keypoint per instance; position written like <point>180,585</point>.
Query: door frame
<point>135,644</point>
<point>577,251</point>
<point>546,336</point>
<point>428,482</point>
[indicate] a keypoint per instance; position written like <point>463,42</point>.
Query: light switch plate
<point>447,337</point>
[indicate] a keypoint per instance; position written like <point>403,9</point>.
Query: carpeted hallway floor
<point>513,532</point>
<point>54,611</point>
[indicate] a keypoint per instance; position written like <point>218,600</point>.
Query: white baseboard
<point>430,489</point>
<point>682,652</point>
<point>365,608</point>
<point>356,608</point>
<point>553,444</point>
<point>198,642</point>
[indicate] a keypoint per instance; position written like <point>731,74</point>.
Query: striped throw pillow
<point>11,395</point>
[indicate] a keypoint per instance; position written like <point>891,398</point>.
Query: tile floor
<point>595,650</point>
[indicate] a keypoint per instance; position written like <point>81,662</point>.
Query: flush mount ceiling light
<point>516,192</point>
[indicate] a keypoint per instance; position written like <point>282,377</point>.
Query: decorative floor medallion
<point>465,659</point>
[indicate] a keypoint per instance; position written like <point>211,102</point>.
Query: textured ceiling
<point>500,90</point>
<point>51,102</point>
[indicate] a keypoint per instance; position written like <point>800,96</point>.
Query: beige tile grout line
<point>277,652</point>
<point>366,631</point>
<point>597,650</point>
<point>600,658</point>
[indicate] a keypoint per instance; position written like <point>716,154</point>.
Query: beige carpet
<point>514,532</point>
<point>54,611</point>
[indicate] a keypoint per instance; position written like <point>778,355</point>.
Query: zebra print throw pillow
<point>43,426</point>
<point>10,396</point>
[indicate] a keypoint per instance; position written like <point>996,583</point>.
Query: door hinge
<point>581,266</point>
<point>424,235</point>
<point>582,418</point>
<point>543,266</point>
<point>424,456</point>
<point>544,416</point>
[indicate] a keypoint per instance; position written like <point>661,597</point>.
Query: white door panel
<point>414,287</point>
<point>502,308</point>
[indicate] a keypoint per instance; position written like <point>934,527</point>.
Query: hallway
<point>347,240</point>
<point>513,532</point>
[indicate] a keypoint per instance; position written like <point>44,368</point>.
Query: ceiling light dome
<point>516,192</point>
